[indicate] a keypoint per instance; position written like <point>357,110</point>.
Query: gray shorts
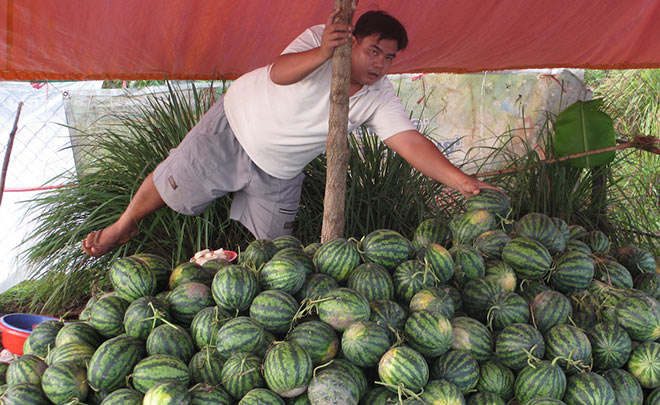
<point>210,163</point>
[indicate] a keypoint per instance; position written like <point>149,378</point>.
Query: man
<point>257,139</point>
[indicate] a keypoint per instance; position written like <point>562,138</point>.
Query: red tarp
<point>203,39</point>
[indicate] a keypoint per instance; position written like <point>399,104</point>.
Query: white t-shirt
<point>282,128</point>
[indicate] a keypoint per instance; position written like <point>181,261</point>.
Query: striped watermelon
<point>597,241</point>
<point>468,263</point>
<point>206,367</point>
<point>459,368</point>
<point>132,278</point>
<point>635,259</point>
<point>576,231</point>
<point>644,364</point>
<point>516,343</point>
<point>78,332</point>
<point>316,286</point>
<point>241,373</point>
<point>364,342</point>
<point>475,295</point>
<point>441,392</point>
<point>491,243</point>
<point>371,280</point>
<point>205,325</point>
<point>569,347</point>
<point>649,283</point>
<point>333,386</point>
<point>455,296</point>
<point>241,334</point>
<point>626,388</point>
<point>287,241</point>
<point>24,394</point>
<point>473,337</point>
<point>529,289</point>
<point>298,257</point>
<point>312,248</point>
<point>159,266</point>
<point>409,278</point>
<point>571,271</point>
<point>558,244</point>
<point>86,311</point>
<point>144,314</point>
<point>433,230</point>
<point>433,299</point>
<point>439,261</point>
<point>589,389</point>
<point>528,258</point>
<point>505,309</point>
<point>167,393</point>
<point>282,274</point>
<point>653,398</point>
<point>342,306</point>
<point>190,272</point>
<point>502,273</point>
<point>42,338</point>
<point>379,395</point>
<point>171,339</point>
<point>549,309</point>
<point>429,333</point>
<point>234,287</point>
<point>27,368</point>
<point>539,380</point>
<point>496,378</point>
<point>187,300</point>
<point>610,345</point>
<point>485,398</point>
<point>337,258</point>
<point>351,371</point>
<point>274,310</point>
<point>259,396</point>
<point>317,338</point>
<point>538,227</point>
<point>77,353</point>
<point>258,253</point>
<point>287,369</point>
<point>490,200</point>
<point>386,247</point>
<point>612,273</point>
<point>158,368</point>
<point>112,363</point>
<point>123,396</point>
<point>205,394</point>
<point>403,366</point>
<point>640,317</point>
<point>469,225</point>
<point>107,315</point>
<point>575,245</point>
<point>544,401</point>
<point>390,315</point>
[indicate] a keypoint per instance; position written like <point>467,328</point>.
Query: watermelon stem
<point>307,307</point>
<point>531,359</point>
<point>320,366</point>
<point>490,315</point>
<point>402,390</point>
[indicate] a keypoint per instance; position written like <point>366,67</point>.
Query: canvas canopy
<point>203,39</point>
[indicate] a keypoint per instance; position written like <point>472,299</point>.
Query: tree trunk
<point>337,143</point>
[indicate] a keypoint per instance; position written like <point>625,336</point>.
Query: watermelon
<point>433,299</point>
<point>123,396</point>
<point>371,280</point>
<point>107,315</point>
<point>590,389</point>
<point>342,306</point>
<point>529,289</point>
<point>240,334</point>
<point>27,368</point>
<point>529,258</point>
<point>364,342</point>
<point>234,287</point>
<point>206,366</point>
<point>502,273</point>
<point>132,278</point>
<point>187,300</point>
<point>576,231</point>
<point>287,369</point>
<point>433,230</point>
<point>274,310</point>
<point>574,245</point>
<point>439,261</point>
<point>191,272</point>
<point>653,397</point>
<point>496,378</point>
<point>337,258</point>
<point>167,393</point>
<point>204,394</point>
<point>390,315</point>
<point>113,361</point>
<point>571,271</point>
<point>159,266</point>
<point>79,353</point>
<point>317,338</point>
<point>24,394</point>
<point>316,286</point>
<point>379,395</point>
<point>549,309</point>
<point>539,380</point>
<point>635,259</point>
<point>473,337</point>
<point>644,364</point>
<point>441,392</point>
<point>491,243</point>
<point>538,227</point>
<point>85,314</point>
<point>485,398</point>
<point>283,274</point>
<point>158,368</point>
<point>491,200</point>
<point>612,273</point>
<point>144,314</point>
<point>312,248</point>
<point>626,388</point>
<point>259,396</point>
<point>78,332</point>
<point>287,241</point>
<point>386,247</point>
<point>409,278</point>
<point>42,338</point>
<point>429,333</point>
<point>333,386</point>
<point>403,366</point>
<point>241,373</point>
<point>610,345</point>
<point>569,347</point>
<point>562,236</point>
<point>351,371</point>
<point>459,368</point>
<point>505,309</point>
<point>475,295</point>
<point>467,226</point>
<point>468,263</point>
<point>298,257</point>
<point>649,283</point>
<point>597,241</point>
<point>640,317</point>
<point>205,325</point>
<point>171,339</point>
<point>258,253</point>
<point>516,343</point>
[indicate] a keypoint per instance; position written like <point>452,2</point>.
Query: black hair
<point>380,22</point>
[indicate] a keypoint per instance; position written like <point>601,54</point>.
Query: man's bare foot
<point>102,241</point>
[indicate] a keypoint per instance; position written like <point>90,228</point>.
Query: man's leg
<point>144,202</point>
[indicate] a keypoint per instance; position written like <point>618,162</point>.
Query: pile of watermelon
<point>478,310</point>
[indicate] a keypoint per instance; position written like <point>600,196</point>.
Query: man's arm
<point>293,67</point>
<point>424,156</point>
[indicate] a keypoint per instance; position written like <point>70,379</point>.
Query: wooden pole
<point>337,143</point>
<point>10,145</point>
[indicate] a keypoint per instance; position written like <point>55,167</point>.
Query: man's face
<point>371,59</point>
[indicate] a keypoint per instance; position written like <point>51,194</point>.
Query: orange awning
<point>203,39</point>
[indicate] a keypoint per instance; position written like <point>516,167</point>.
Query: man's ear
<point>354,40</point>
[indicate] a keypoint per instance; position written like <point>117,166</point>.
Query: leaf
<point>584,127</point>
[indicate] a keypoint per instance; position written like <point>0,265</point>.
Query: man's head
<point>383,24</point>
